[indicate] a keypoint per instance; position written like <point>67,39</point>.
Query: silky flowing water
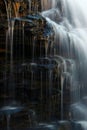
<point>71,30</point>
<point>70,36</point>
<point>68,50</point>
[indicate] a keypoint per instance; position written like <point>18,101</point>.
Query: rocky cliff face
<point>30,67</point>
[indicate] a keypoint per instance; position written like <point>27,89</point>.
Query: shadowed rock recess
<point>42,80</point>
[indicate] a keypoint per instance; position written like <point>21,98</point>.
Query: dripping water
<point>50,92</point>
<point>70,42</point>
<point>8,11</point>
<point>41,93</point>
<point>23,74</point>
<point>46,48</point>
<point>11,83</point>
<point>33,49</point>
<point>29,1</point>
<point>9,42</point>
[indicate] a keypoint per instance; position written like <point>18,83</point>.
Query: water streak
<point>69,22</point>
<point>70,29</point>
<point>29,5</point>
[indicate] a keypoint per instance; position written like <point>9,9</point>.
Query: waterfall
<point>50,57</point>
<point>69,22</point>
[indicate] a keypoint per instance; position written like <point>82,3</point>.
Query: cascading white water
<point>69,22</point>
<point>68,19</point>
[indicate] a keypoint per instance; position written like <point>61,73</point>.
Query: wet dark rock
<point>61,125</point>
<point>69,125</point>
